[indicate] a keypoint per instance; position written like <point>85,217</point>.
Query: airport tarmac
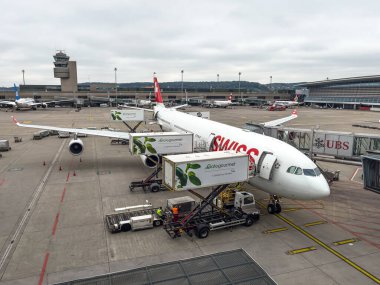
<point>51,220</point>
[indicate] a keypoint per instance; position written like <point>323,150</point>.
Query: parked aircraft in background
<point>27,103</point>
<point>288,103</point>
<point>279,169</point>
<point>222,103</point>
<point>275,107</point>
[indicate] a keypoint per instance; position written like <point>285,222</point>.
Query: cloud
<point>291,41</point>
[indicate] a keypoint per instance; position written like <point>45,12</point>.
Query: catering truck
<point>223,207</point>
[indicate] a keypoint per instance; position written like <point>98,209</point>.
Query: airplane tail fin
<point>16,90</point>
<point>294,112</point>
<point>296,98</point>
<point>157,91</point>
<point>230,97</point>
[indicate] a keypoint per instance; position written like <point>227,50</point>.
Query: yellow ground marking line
<point>325,246</point>
<point>301,250</point>
<point>346,241</point>
<point>275,230</point>
<point>26,122</point>
<point>315,223</point>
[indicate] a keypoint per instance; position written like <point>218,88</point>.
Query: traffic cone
<point>44,163</point>
<point>74,174</point>
<point>60,168</point>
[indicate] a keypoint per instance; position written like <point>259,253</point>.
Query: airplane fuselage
<point>225,137</point>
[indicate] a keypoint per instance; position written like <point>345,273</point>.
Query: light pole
<point>239,90</point>
<point>182,82</point>
<point>270,82</point>
<point>115,69</point>
<point>23,76</point>
<point>217,77</point>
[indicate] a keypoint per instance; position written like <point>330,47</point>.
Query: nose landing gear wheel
<point>274,206</point>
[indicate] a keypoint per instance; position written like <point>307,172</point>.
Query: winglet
<point>14,120</point>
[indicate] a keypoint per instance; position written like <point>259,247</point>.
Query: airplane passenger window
<point>298,171</point>
<point>309,172</point>
<point>291,169</point>
<point>317,171</point>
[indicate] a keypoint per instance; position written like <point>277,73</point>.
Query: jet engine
<point>150,161</point>
<point>76,146</point>
<point>44,105</point>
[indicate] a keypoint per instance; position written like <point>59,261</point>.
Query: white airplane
<point>288,103</point>
<point>223,103</point>
<point>26,103</point>
<point>280,169</point>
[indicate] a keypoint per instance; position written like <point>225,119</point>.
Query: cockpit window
<point>294,170</point>
<point>309,172</point>
<point>291,169</point>
<point>317,171</point>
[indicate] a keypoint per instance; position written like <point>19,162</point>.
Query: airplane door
<point>266,165</point>
<point>210,141</point>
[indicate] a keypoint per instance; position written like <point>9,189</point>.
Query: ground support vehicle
<point>151,184</point>
<point>145,216</point>
<point>133,218</point>
<point>4,145</point>
<point>120,141</point>
<point>213,214</point>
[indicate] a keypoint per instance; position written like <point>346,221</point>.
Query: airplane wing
<point>180,106</point>
<point>101,133</point>
<point>281,121</point>
<point>137,108</point>
<point>9,103</point>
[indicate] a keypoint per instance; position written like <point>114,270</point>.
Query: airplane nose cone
<point>322,189</point>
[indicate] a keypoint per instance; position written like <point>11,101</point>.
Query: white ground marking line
<point>29,208</point>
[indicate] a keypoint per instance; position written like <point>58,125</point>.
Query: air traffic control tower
<point>67,71</point>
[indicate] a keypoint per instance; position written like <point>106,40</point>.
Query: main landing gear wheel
<point>274,206</point>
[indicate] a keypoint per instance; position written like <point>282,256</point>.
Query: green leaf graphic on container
<point>140,147</point>
<point>113,116</point>
<point>194,179</point>
<point>181,177</point>
<point>192,166</point>
<point>147,139</point>
<point>150,148</point>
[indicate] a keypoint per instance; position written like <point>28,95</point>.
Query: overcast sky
<point>291,41</point>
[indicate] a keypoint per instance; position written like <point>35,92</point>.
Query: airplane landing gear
<point>274,206</point>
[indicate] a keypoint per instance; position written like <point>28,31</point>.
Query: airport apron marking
<point>315,223</point>
<point>301,250</point>
<point>346,241</point>
<point>275,230</point>
<point>325,246</point>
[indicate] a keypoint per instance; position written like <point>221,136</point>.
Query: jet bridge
<point>371,171</point>
<point>343,145</point>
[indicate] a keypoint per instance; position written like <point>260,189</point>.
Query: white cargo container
<point>198,170</point>
<point>127,115</point>
<point>160,143</point>
<point>4,145</point>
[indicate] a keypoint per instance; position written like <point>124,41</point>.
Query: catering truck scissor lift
<point>214,213</point>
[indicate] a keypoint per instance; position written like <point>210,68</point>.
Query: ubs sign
<point>333,144</point>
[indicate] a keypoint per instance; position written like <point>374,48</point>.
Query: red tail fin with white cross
<point>157,91</point>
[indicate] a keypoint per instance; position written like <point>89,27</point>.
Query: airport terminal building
<point>348,93</point>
